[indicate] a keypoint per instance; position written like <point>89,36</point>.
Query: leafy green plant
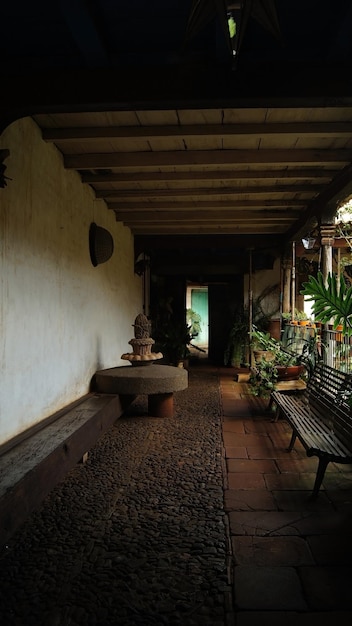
<point>195,320</point>
<point>332,301</point>
<point>237,340</point>
<point>300,315</point>
<point>265,373</point>
<point>264,341</point>
<point>175,341</point>
<point>263,379</point>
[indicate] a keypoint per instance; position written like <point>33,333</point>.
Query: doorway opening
<point>198,317</point>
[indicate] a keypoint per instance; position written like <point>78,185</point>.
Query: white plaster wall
<point>260,281</point>
<point>61,319</point>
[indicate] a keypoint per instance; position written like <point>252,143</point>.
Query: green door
<point>199,304</point>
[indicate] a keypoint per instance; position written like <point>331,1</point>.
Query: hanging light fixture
<point>308,242</point>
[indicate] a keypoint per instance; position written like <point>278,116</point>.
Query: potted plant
<point>173,334</point>
<point>286,317</point>
<point>194,320</point>
<point>263,378</point>
<point>176,340</point>
<point>272,363</point>
<point>237,340</point>
<point>301,317</point>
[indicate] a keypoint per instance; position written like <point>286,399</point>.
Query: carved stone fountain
<point>142,344</point>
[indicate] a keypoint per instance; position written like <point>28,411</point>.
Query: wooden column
<point>327,232</point>
<point>293,281</point>
<point>286,298</point>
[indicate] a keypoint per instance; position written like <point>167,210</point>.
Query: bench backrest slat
<point>331,382</point>
<point>327,391</point>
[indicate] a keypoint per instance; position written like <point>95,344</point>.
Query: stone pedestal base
<point>161,405</point>
<point>158,382</point>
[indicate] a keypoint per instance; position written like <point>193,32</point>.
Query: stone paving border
<point>136,535</point>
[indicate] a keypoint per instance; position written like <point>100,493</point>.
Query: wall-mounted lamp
<point>308,243</point>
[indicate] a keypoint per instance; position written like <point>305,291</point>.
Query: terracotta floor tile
<point>264,523</point>
<point>250,500</point>
<point>293,618</point>
<point>237,439</point>
<point>236,452</point>
<point>328,588</point>
<point>278,618</point>
<point>297,465</point>
<point>331,522</point>
<point>292,480</point>
<point>299,500</point>
<point>241,480</point>
<point>268,588</point>
<point>341,499</point>
<point>272,551</point>
<point>238,407</point>
<point>254,426</point>
<point>276,428</point>
<point>232,418</point>
<point>230,395</point>
<point>331,550</point>
<point>235,426</point>
<point>250,466</point>
<point>337,480</point>
<point>267,451</point>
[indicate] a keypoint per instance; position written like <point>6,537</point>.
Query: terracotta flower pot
<point>339,335</point>
<point>289,372</point>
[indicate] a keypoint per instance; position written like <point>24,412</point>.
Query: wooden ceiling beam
<point>176,228</point>
<point>239,217</point>
<point>308,173</point>
<point>203,204</point>
<point>211,131</point>
<point>208,191</point>
<point>205,157</point>
<point>205,243</point>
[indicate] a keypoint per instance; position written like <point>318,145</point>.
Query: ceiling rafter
<point>211,131</point>
<point>308,173</point>
<point>205,157</point>
<point>220,215</point>
<point>310,189</point>
<point>206,204</point>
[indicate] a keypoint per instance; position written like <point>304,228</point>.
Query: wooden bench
<point>32,464</point>
<point>320,418</point>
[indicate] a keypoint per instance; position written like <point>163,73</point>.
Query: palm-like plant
<point>332,301</point>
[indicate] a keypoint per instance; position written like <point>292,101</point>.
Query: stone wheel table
<point>158,382</point>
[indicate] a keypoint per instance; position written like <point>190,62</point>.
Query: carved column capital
<point>327,232</point>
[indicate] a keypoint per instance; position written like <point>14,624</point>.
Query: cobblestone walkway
<point>136,535</point>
